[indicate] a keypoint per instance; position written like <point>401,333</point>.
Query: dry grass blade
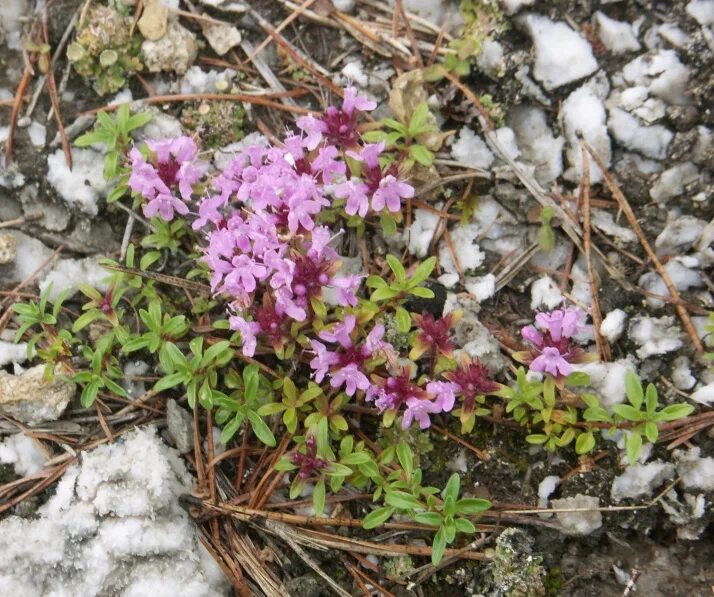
<point>634,224</point>
<point>603,347</point>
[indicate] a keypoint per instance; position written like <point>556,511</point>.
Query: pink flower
<point>172,165</point>
<point>551,361</point>
<point>420,409</point>
<point>561,323</point>
<point>248,331</point>
<point>390,193</point>
<point>352,102</point>
<point>323,361</point>
<point>356,194</point>
<point>351,377</point>
<point>327,165</point>
<point>444,392</point>
<point>313,129</point>
<point>340,332</point>
<point>347,287</point>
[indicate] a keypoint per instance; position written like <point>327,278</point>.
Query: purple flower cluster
<point>553,349</point>
<point>346,364</point>
<point>166,180</point>
<point>260,214</point>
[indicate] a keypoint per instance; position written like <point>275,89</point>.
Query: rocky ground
<point>632,78</point>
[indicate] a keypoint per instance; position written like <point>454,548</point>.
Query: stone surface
<point>578,522</point>
<point>174,52</point>
<point>113,527</point>
<point>8,248</point>
<point>180,425</point>
<point>32,399</point>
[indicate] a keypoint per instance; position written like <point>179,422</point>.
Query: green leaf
<point>651,399</point>
<point>272,408</point>
<point>633,444</point>
<point>633,388</point>
<point>418,119</point>
<point>438,547</point>
<point>431,518</point>
<point>85,319</point>
<point>452,487</point>
<point>577,378</point>
<point>375,282</point>
<point>261,430</point>
<point>422,292</point>
<point>403,319</point>
<point>397,268</point>
<point>471,506</point>
<point>251,380</point>
<point>651,431</point>
<point>377,517</point>
<point>536,438</point>
<point>585,443</point>
<point>674,411</point>
<point>318,498</point>
<point>627,412</point>
<point>402,500</point>
<point>356,458</point>
<point>383,293</point>
<point>230,430</point>
<point>423,271</point>
<point>138,120</point>
<point>405,457</point>
<point>388,223</point>
<point>421,154</point>
<point>464,526</point>
<point>168,381</point>
<point>338,470</point>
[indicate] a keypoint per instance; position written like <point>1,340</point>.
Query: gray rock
<point>579,522</point>
<point>174,52</point>
<point>180,426</point>
<point>32,399</point>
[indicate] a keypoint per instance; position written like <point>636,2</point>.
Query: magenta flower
<point>172,166</point>
<point>552,348</point>
<point>550,360</point>
<point>307,460</point>
<point>355,192</point>
<point>445,393</point>
<point>313,129</point>
<point>420,410</point>
<point>390,194</point>
<point>248,332</point>
<point>347,367</point>
<point>327,165</point>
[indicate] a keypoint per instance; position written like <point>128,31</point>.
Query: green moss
<point>398,567</point>
<point>392,335</point>
<point>515,571</point>
<point>106,51</point>
<point>217,123</point>
<point>553,582</point>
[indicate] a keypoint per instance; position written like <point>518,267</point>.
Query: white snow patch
<point>682,275</point>
<point>68,274</point>
<point>467,252</point>
<point>507,139</point>
<point>584,111</point>
<point>114,525</point>
<point>562,55</point>
<point>702,11</point>
<point>674,181</point>
<point>38,133</point>
<point>470,150</point>
<point>655,335</point>
<point>613,325</point>
<point>662,73</point>
<point>651,141</point>
<point>704,394</point>
<point>490,59</point>
<point>82,186</point>
<point>12,353</point>
<point>422,231</point>
<point>513,6</point>
<point>682,376</point>
<point>695,472</point>
<point>641,479</point>
<point>449,280</point>
<point>458,463</point>
<point>481,288</point>
<point>22,452</point>
<point>605,221</point>
<point>545,489</point>
<point>579,522</point>
<point>545,293</point>
<point>354,71</point>
<point>616,36</point>
<point>680,233</point>
<point>607,380</point>
<point>537,143</point>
